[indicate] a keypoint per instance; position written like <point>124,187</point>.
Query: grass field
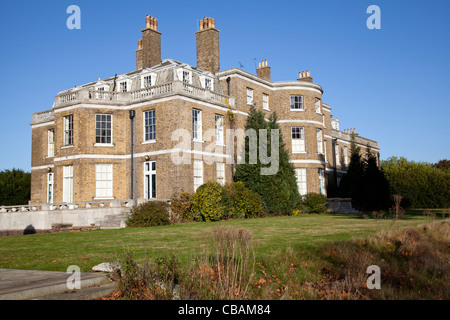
<point>272,236</point>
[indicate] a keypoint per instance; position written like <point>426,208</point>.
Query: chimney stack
<point>148,53</point>
<point>305,76</point>
<point>208,57</point>
<point>263,70</point>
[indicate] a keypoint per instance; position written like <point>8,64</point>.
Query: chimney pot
<point>150,55</point>
<point>208,46</point>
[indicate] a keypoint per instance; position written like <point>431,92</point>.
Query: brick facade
<point>170,90</point>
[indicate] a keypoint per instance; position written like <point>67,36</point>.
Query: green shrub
<point>181,207</point>
<point>314,203</point>
<point>210,203</point>
<point>244,202</point>
<point>149,214</point>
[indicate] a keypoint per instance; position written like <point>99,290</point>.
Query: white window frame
<point>220,172</point>
<point>148,124</point>
<point>266,102</point>
<point>105,129</point>
<point>300,174</point>
<point>345,155</point>
<point>123,86</point>
<point>50,187</point>
<point>144,81</point>
<point>51,143</point>
<point>298,144</point>
<point>325,150</point>
<point>68,184</point>
<point>150,185</point>
<point>322,181</point>
<point>249,96</point>
<point>104,181</point>
<point>207,83</point>
<point>68,130</point>
<point>219,129</point>
<point>317,105</point>
<point>197,134</point>
<point>186,76</point>
<point>297,105</point>
<point>198,173</point>
<point>319,141</point>
<point>336,154</point>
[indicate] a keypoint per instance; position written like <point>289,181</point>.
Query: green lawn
<point>272,235</point>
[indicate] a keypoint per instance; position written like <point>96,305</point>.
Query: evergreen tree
<point>15,186</point>
<point>279,191</point>
<point>376,187</point>
<point>364,182</point>
<point>351,182</point>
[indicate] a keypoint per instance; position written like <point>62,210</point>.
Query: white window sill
<point>299,152</point>
<point>104,198</point>
<point>108,145</point>
<point>266,109</point>
<point>199,141</point>
<point>48,157</point>
<point>302,110</point>
<point>149,142</point>
<point>220,145</point>
<point>67,147</point>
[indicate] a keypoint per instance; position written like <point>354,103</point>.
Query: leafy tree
<point>421,184</point>
<point>279,191</point>
<point>15,186</point>
<point>442,164</point>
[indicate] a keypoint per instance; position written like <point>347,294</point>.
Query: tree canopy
<point>15,186</point>
<point>279,191</point>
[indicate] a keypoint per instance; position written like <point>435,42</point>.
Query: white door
<point>50,188</point>
<point>150,180</point>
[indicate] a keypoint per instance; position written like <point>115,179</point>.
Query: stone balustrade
<point>90,95</point>
<point>68,206</point>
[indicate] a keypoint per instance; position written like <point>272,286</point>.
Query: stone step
<point>82,294</point>
<point>32,284</point>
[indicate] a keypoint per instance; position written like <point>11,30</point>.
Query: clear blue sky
<point>390,84</point>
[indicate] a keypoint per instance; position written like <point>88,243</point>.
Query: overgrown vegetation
<point>413,263</point>
<point>222,268</point>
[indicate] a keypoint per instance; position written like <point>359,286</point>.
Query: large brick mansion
<point>114,138</point>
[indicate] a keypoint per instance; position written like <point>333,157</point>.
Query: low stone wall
<point>340,205</point>
<point>45,218</point>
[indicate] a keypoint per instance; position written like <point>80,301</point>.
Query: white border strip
<point>308,161</point>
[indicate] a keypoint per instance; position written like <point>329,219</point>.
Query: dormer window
<point>147,81</point>
<point>123,87</point>
<point>208,84</point>
<point>186,77</point>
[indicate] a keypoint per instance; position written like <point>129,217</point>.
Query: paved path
<point>30,284</point>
